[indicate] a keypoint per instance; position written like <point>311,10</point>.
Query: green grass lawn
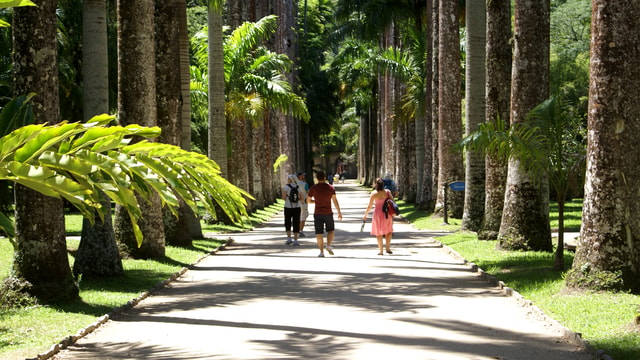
<point>605,320</point>
<point>26,332</point>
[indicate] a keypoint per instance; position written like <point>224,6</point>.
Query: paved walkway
<point>261,299</point>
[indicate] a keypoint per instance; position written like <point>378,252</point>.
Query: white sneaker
<point>329,249</point>
<point>289,241</point>
<point>295,243</point>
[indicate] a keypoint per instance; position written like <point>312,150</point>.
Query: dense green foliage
<point>570,31</point>
<point>255,80</point>
<point>81,162</point>
<point>317,84</point>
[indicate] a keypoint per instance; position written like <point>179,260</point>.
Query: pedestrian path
<point>262,299</point>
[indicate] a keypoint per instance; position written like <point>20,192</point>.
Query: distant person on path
<point>323,194</point>
<point>390,184</point>
<point>381,225</point>
<point>293,198</point>
<point>304,208</point>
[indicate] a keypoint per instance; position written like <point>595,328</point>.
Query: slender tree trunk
<point>41,256</point>
<point>449,114</point>
<point>256,164</point>
<point>266,160</point>
<point>498,84</point>
<point>239,166</point>
<point>407,157</point>
<point>435,104</point>
<point>430,175</point>
<point>217,122</point>
<point>608,255</point>
<point>185,92</point>
<point>274,150</point>
<point>475,113</point>
<point>387,150</point>
<point>284,43</point>
<point>221,134</point>
<point>363,148</point>
<point>193,220</point>
<point>169,104</point>
<point>525,219</point>
<point>137,105</point>
<point>421,117</point>
<point>379,168</point>
<point>374,134</point>
<point>558,263</point>
<point>97,254</point>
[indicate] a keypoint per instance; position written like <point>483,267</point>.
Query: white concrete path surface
<point>262,299</point>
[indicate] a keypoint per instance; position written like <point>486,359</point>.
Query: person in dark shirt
<point>322,195</point>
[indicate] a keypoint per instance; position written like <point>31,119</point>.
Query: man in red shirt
<point>323,194</point>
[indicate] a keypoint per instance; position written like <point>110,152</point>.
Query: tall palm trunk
<point>217,121</point>
<point>449,114</point>
<point>525,219</point>
<point>421,117</point>
<point>607,255</point>
<point>258,164</point>
<point>169,104</point>
<point>137,105</point>
<point>41,256</point>
<point>475,113</point>
<point>97,254</point>
<point>431,125</point>
<point>220,143</point>
<point>195,228</point>
<point>386,112</point>
<point>375,138</point>
<point>239,166</point>
<point>285,44</point>
<point>183,38</point>
<point>498,84</point>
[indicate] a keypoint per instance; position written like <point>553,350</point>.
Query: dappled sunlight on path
<point>262,299</point>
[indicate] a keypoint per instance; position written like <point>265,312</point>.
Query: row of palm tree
<point>255,86</point>
<point>516,201</point>
<point>519,86</point>
<point>142,163</point>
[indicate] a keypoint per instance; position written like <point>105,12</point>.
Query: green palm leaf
<point>81,162</point>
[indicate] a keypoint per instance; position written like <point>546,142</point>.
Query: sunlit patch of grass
<point>258,217</point>
<point>572,215</point>
<point>73,221</point>
<point>423,220</point>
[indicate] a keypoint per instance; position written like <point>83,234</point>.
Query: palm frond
<point>80,162</point>
<point>247,36</point>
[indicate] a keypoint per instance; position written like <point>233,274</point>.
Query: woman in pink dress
<point>382,224</point>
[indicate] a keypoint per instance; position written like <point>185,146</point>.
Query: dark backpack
<point>293,194</point>
<point>388,184</point>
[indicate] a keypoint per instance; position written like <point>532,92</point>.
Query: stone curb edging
<point>72,339</point>
<point>573,337</point>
